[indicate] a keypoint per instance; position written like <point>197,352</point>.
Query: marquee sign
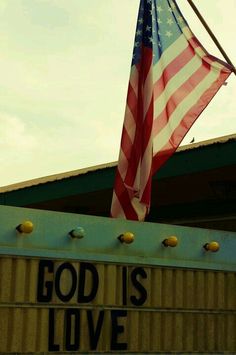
<point>85,284</point>
<point>69,306</point>
<point>60,295</point>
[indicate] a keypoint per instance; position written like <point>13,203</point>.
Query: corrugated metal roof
<point>77,172</point>
<point>55,177</point>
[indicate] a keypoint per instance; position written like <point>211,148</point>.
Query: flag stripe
<point>124,199</point>
<point>167,57</point>
<point>182,76</point>
<point>172,80</point>
<point>132,98</point>
<point>126,143</point>
<point>116,208</point>
<point>174,120</point>
<point>172,69</point>
<point>178,134</point>
<point>181,93</point>
<point>141,136</point>
<point>134,79</point>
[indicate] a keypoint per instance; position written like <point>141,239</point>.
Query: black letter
<point>68,316</point>
<point>62,267</point>
<point>124,285</point>
<point>51,345</point>
<point>94,334</point>
<point>143,293</point>
<point>43,264</point>
<point>117,329</point>
<point>81,296</point>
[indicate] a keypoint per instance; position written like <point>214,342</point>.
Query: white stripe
<point>139,207</point>
<point>116,208</point>
<point>122,164</point>
<point>129,123</point>
<point>143,170</point>
<point>168,55</point>
<point>148,91</point>
<point>201,52</point>
<point>134,79</point>
<point>146,165</point>
<point>187,32</point>
<point>176,117</point>
<point>175,82</point>
<point>136,184</point>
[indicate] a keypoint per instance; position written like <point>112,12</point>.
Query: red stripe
<point>132,101</point>
<point>138,131</point>
<point>138,139</point>
<point>147,127</point>
<point>146,196</point>
<point>124,198</point>
<point>188,120</point>
<point>195,43</point>
<point>178,96</point>
<point>126,143</point>
<point>172,69</point>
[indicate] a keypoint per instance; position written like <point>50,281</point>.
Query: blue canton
<point>159,24</point>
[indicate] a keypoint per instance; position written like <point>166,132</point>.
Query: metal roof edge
<point>77,172</point>
<point>55,177</point>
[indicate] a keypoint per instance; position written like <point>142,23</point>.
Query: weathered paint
<point>50,239</point>
<point>188,295</point>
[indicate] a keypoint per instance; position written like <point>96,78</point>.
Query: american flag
<point>172,80</point>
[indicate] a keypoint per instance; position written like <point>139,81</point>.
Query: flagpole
<point>211,35</point>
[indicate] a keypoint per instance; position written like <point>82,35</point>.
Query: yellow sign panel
<point>64,306</point>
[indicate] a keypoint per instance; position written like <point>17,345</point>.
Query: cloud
<point>64,82</point>
<point>17,147</point>
<point>29,151</point>
<point>15,135</point>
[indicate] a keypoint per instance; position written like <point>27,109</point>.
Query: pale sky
<point>64,69</point>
